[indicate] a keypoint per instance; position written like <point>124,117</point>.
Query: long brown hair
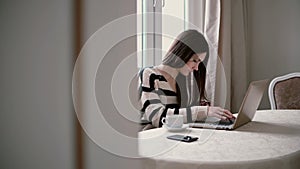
<point>187,44</point>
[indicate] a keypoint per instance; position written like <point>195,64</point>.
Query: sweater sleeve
<point>156,102</point>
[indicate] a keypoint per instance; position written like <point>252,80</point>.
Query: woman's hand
<point>219,113</point>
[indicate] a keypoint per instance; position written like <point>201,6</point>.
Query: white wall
<point>36,116</point>
<point>37,119</point>
<point>274,39</point>
<point>96,15</point>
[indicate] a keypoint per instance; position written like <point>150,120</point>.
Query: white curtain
<point>224,23</point>
<point>233,50</point>
<point>205,14</point>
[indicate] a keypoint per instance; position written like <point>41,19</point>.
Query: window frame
<point>150,44</point>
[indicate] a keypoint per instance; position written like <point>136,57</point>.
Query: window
<point>202,15</point>
<point>160,22</point>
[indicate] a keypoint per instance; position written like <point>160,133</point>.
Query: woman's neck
<point>173,72</point>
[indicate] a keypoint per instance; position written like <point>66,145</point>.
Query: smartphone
<point>182,138</point>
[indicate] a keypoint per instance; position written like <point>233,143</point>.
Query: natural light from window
<point>175,8</point>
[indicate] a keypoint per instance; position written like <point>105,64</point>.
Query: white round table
<point>271,140</point>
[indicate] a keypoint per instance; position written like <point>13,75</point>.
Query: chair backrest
<point>284,92</point>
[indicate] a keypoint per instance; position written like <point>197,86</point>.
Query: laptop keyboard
<point>226,122</point>
<point>223,124</point>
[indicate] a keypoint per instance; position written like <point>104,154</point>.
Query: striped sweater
<point>158,99</point>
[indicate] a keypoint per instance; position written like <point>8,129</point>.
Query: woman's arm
<point>157,101</point>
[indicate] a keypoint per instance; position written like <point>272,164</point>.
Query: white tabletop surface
<point>271,140</point>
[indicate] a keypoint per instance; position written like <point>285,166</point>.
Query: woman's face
<point>192,64</point>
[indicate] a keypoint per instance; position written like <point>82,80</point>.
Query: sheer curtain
<point>233,50</point>
<point>224,23</point>
<point>205,15</point>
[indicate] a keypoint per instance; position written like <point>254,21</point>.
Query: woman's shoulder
<point>149,70</point>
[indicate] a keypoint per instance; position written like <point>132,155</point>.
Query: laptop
<point>246,112</point>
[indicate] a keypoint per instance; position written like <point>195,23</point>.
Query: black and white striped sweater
<point>159,99</point>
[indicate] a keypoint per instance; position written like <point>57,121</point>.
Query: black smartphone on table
<point>182,138</point>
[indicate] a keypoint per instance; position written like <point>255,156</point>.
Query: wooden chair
<point>284,92</point>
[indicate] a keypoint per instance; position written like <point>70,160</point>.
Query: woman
<point>177,86</point>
